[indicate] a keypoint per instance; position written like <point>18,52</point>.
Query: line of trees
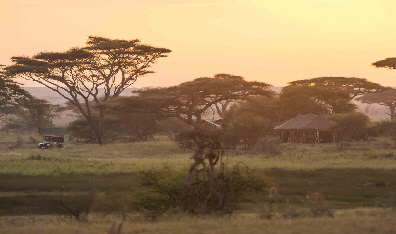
<point>89,77</point>
<point>249,117</point>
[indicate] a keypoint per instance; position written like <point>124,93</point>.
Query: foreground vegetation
<point>356,185</point>
<point>348,224</point>
<point>299,170</point>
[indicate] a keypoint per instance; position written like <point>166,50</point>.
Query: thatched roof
<point>307,122</point>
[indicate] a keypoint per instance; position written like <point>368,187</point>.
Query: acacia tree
<point>188,102</point>
<point>389,63</point>
<point>294,100</point>
<point>39,113</point>
<point>97,72</point>
<point>11,93</point>
<point>352,85</point>
<point>385,98</point>
<point>138,126</point>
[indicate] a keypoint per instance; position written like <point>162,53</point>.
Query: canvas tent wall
<point>308,128</point>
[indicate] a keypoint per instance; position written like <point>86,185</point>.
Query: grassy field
<point>346,225</point>
<point>34,181</point>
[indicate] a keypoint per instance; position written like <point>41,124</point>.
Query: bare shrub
<point>115,229</point>
<point>273,198</point>
<point>39,157</point>
<point>82,209</point>
<point>312,205</point>
<point>17,144</point>
<point>33,140</point>
<point>317,205</point>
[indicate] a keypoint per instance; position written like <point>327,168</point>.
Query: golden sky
<point>275,41</point>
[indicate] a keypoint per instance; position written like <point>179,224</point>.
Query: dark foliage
<point>168,191</point>
<point>352,85</point>
<point>81,129</point>
<point>100,71</point>
<point>351,126</point>
<point>11,93</point>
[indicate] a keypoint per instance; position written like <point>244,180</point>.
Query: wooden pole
<point>282,136</point>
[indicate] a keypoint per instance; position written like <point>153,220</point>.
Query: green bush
<point>351,126</point>
<point>81,129</point>
<point>166,189</point>
<point>383,128</point>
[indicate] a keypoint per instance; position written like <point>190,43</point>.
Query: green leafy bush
<point>351,126</point>
<point>166,189</point>
<point>81,129</point>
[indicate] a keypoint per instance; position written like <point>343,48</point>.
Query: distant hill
<point>54,98</point>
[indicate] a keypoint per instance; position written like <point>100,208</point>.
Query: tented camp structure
<point>307,129</point>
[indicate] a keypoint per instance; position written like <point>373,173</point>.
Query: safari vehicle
<point>53,138</point>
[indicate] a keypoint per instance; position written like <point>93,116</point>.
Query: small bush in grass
<point>269,145</point>
<point>312,205</point>
<point>39,157</point>
<point>161,191</point>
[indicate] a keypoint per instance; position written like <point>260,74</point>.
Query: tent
<point>308,128</point>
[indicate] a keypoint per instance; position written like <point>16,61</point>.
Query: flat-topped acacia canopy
<point>111,65</point>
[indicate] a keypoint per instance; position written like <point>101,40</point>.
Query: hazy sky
<point>275,41</point>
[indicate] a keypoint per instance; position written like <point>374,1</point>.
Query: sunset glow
<point>274,41</point>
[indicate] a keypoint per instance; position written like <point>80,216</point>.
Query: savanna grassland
<point>318,189</point>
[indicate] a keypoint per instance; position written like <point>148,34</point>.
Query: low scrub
<point>268,145</point>
<point>167,191</point>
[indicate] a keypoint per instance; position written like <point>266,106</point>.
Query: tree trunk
<point>392,113</point>
<point>96,129</point>
<point>101,139</point>
<point>198,160</point>
<point>98,134</point>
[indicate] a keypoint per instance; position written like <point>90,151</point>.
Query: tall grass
<point>346,225</point>
<point>126,158</point>
<point>349,176</point>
